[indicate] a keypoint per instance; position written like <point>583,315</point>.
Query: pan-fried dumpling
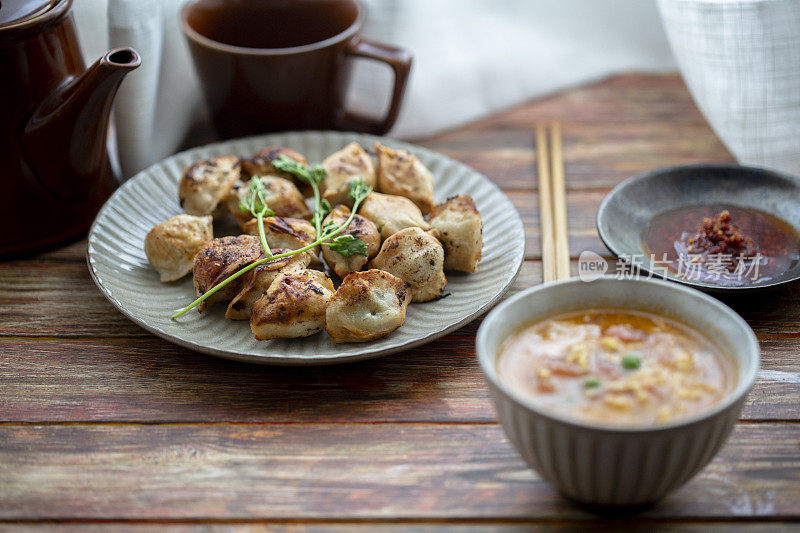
<point>461,231</point>
<point>360,228</point>
<point>281,196</point>
<point>206,183</point>
<point>343,167</point>
<point>260,164</point>
<point>418,258</point>
<point>402,174</point>
<point>392,213</point>
<point>220,258</point>
<point>257,281</point>
<point>294,306</point>
<point>287,232</point>
<point>171,245</point>
<point>366,306</point>
<point>284,232</point>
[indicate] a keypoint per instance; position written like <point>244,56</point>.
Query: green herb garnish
<point>313,176</point>
<point>329,227</point>
<point>358,191</point>
<point>631,361</point>
<point>320,213</point>
<point>347,245</point>
<point>255,203</point>
<point>592,382</point>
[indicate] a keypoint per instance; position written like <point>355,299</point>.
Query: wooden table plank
<point>404,526</point>
<point>596,156</point>
<point>613,129</point>
<point>40,301</point>
<point>57,299</point>
<point>409,471</point>
<point>627,98</point>
<point>148,380</point>
<point>101,421</point>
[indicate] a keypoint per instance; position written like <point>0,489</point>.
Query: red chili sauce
<point>724,245</point>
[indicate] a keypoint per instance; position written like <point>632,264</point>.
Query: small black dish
<point>627,211</point>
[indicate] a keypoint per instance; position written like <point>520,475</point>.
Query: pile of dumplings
<point>410,243</point>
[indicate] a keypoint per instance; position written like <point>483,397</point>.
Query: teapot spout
<point>73,120</point>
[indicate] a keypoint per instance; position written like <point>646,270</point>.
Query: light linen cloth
<point>741,62</point>
<point>472,58</point>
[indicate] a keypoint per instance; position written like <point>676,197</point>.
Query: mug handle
<point>400,61</point>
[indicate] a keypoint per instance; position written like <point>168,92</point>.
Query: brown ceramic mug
<point>270,65</point>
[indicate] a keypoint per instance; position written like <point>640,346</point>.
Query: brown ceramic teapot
<point>54,166</point>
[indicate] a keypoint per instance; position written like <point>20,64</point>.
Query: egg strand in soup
<point>616,367</point>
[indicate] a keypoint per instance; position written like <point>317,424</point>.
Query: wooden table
<point>106,425</point>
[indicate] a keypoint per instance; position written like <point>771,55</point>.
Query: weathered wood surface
<point>404,526</point>
<point>104,426</point>
<point>339,471</point>
<point>612,130</point>
<point>145,380</point>
<point>40,300</point>
<point>407,526</point>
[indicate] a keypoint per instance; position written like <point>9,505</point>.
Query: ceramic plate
<point>119,267</point>
<point>628,209</point>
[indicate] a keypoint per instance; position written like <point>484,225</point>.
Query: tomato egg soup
<point>616,367</point>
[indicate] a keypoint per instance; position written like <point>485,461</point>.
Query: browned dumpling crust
<point>366,306</point>
<point>220,258</point>
<point>360,228</point>
<point>171,246</point>
<point>289,233</point>
<point>284,232</point>
<point>416,257</point>
<point>294,306</point>
<point>258,280</point>
<point>281,195</point>
<point>206,183</point>
<point>343,167</point>
<point>461,231</point>
<point>402,174</point>
<point>260,164</point>
<point>392,213</point>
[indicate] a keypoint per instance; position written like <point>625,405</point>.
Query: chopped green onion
<point>631,361</point>
<point>592,382</point>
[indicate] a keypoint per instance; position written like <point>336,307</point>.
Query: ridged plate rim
<point>503,252</point>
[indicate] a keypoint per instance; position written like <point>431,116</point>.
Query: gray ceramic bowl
<point>607,465</point>
<point>628,209</point>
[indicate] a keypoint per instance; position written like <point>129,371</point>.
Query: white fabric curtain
<point>472,58</point>
<point>741,61</point>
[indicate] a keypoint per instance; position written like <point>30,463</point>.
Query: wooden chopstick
<point>559,204</point>
<point>552,204</point>
<point>545,206</point>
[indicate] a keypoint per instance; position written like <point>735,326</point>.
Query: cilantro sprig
<point>255,203</point>
<point>313,176</point>
<point>349,245</point>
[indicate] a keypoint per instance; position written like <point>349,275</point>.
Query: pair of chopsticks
<point>552,203</point>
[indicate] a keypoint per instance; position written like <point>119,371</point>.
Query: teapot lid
<point>16,11</point>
